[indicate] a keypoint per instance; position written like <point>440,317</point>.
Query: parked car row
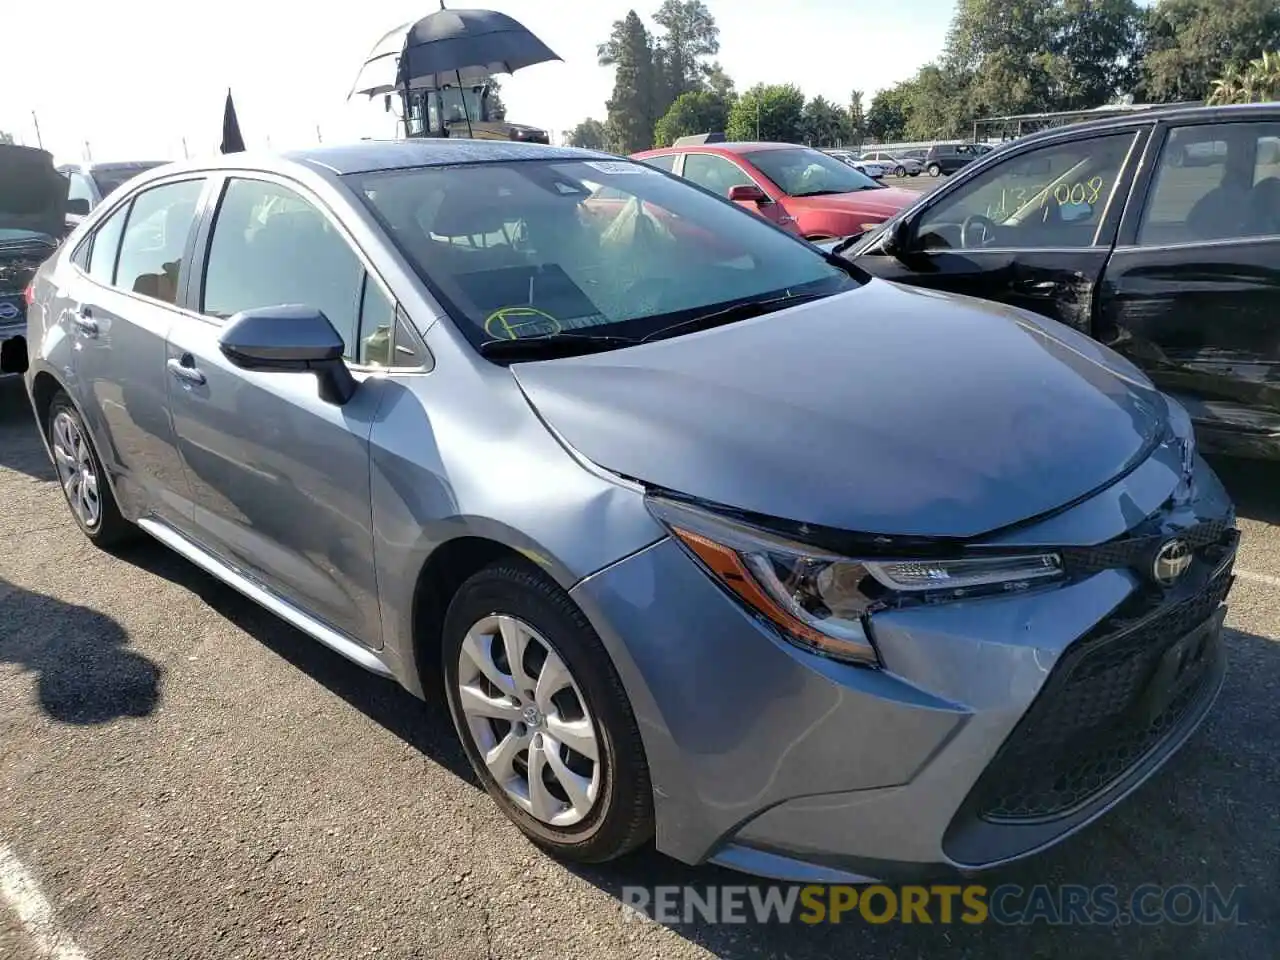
<point>620,463</point>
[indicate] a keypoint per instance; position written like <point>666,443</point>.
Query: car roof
<point>367,156</point>
<point>1199,114</point>
<point>735,147</point>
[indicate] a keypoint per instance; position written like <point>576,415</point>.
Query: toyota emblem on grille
<point>8,311</point>
<point>1172,560</point>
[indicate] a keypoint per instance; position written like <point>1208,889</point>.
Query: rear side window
<point>155,239</point>
<point>271,246</point>
<point>106,244</point>
<point>665,162</point>
<point>1215,182</point>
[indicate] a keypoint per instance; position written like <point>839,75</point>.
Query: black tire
<point>934,170</point>
<point>111,528</point>
<point>900,171</point>
<point>622,817</point>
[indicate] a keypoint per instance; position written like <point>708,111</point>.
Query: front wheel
<point>543,716</point>
<point>900,171</point>
<point>934,170</point>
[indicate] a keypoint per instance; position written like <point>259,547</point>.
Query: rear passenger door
<point>1192,292</point>
<point>280,478</point>
<point>123,300</point>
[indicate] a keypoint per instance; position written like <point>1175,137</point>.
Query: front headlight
<point>820,600</point>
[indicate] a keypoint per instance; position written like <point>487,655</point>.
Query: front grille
<point>1090,723</point>
<point>1137,552</point>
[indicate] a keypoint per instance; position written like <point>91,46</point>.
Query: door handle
<point>85,323</point>
<point>185,369</point>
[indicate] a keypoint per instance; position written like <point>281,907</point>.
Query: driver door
<point>1033,231</point>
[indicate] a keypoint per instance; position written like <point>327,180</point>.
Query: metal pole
<point>463,97</point>
<point>88,153</point>
<point>757,117</point>
<point>319,138</point>
<point>186,155</point>
<point>36,120</point>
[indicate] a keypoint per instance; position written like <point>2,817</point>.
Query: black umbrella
<point>232,142</point>
<point>466,46</point>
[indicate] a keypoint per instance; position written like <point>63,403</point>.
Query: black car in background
<point>1158,235</point>
<point>33,200</point>
<point>947,158</point>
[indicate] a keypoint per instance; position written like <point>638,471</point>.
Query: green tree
<point>698,111</point>
<point>1257,82</point>
<point>772,112</point>
<point>6,137</point>
<point>1189,43</point>
<point>589,134</point>
<point>1094,52</point>
<point>891,111</point>
<point>631,108</point>
<point>720,83</point>
<point>998,53</point>
<point>856,120</point>
<point>939,105</point>
<point>825,124</point>
<point>690,36</point>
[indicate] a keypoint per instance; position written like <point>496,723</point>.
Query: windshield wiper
<point>739,311</point>
<point>550,345</point>
<point>821,193</point>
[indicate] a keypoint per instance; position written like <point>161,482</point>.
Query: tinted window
<point>713,173</point>
<point>801,172</point>
<point>272,247</point>
<point>79,188</point>
<point>106,244</point>
<point>530,248</point>
<point>1215,182</point>
<point>1051,197</point>
<point>155,238</point>
<point>665,162</point>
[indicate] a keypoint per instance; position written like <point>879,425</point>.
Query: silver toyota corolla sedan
<point>712,537</point>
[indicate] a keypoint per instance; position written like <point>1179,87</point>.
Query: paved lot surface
<point>185,776</point>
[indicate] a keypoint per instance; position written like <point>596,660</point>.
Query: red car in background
<point>796,187</point>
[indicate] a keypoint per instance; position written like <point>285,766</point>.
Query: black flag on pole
<point>232,142</point>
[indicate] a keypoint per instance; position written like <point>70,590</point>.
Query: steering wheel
<point>977,231</point>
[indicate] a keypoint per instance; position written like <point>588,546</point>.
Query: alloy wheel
<point>529,720</point>
<point>76,470</point>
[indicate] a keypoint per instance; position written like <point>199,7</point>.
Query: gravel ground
<point>186,776</point>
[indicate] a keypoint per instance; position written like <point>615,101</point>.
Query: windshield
<point>801,172</point>
<point>540,248</point>
<point>108,178</point>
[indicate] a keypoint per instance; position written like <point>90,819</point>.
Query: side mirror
<point>899,237</point>
<point>747,193</point>
<point>290,339</point>
<point>78,206</point>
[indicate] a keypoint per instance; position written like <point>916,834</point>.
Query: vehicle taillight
<point>29,294</point>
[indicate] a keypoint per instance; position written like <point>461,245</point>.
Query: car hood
<point>33,195</point>
<point>887,409</point>
<point>884,202</point>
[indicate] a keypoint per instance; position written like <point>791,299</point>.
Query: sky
<point>133,79</point>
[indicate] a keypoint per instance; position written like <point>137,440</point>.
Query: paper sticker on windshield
<point>619,166</point>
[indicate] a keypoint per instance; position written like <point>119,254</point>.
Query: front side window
<point>1215,182</point>
<point>271,247</point>
<point>106,244</point>
<point>155,238</point>
<point>1051,197</point>
<point>802,172</point>
<point>713,173</point>
<point>537,248</point>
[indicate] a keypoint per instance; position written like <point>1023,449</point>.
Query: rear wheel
<point>900,171</point>
<point>84,482</point>
<point>543,716</point>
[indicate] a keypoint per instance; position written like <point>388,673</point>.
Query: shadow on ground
<point>86,672</point>
<point>20,447</point>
